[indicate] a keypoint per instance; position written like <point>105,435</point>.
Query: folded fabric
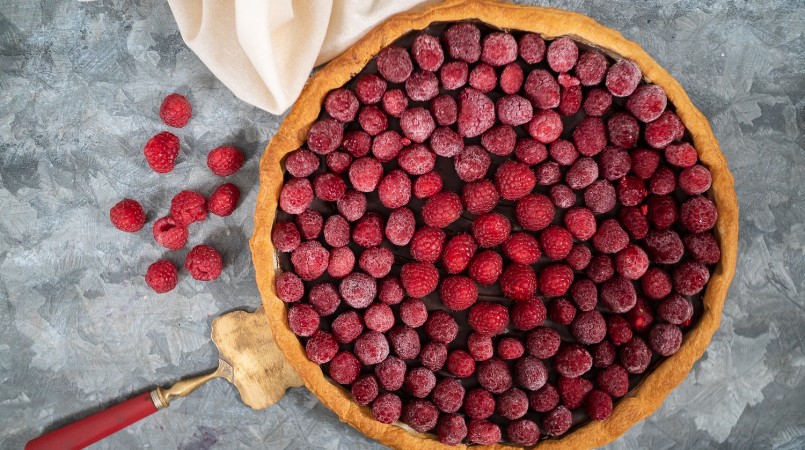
<point>264,50</point>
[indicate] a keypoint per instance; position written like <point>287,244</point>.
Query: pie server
<point>248,358</point>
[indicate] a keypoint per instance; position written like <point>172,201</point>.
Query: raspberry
<point>556,242</point>
<point>458,292</point>
<point>379,317</point>
<point>600,268</point>
<point>600,197</point>
<point>610,237</point>
<point>417,124</point>
<point>522,248</point>
<point>542,342</point>
<point>371,348</point>
<point>695,180</point>
<point>419,382</point>
<point>161,152</point>
<point>563,152</point>
<point>598,405</point>
<point>557,421</point>
<point>394,102</point>
<point>623,78</point>
<point>458,252</point>
<point>542,89</point>
<point>310,260</point>
<point>390,373</point>
<point>634,222</point>
<point>618,294</point>
<point>483,78</point>
<point>570,101</point>
<point>427,52</point>
<point>127,215</point>
<point>364,390</point>
<point>690,277</point>
<point>514,180</point>
<point>631,191</point>
<point>358,289</point>
<point>324,297</point>
<point>545,126</point>
<point>590,136</point>
<point>310,224</point>
<point>665,339</point>
<point>562,311</point>
<point>640,317</point>
<point>656,283</point>
<point>531,48</point>
<point>488,319</point>
<point>444,109</point>
<point>222,202</point>
<point>416,159</point>
<point>394,64</point>
<point>400,226</point>
<point>422,86</point>
<point>463,42</point>
<point>635,356</point>
<point>544,399</point>
<point>698,214</point>
<point>341,263</point>
<point>644,163</point>
<point>161,276</point>
<point>304,321</point>
<point>324,137</point>
<point>394,189</point>
<point>555,280</point>
<point>480,347</point>
<point>647,102</point>
<point>419,279</point>
<point>579,257</point>
<point>301,163</point>
<point>427,185</point>
<point>534,212</point>
<point>614,380</point>
<point>441,327</point>
<point>289,287</point>
<point>442,209</point>
<point>631,262</point>
<point>479,404</point>
<point>591,68</point>
<point>562,55</point>
<point>480,197</point>
<point>357,143</point>
<point>321,347</point>
<point>387,408</point>
<point>175,111</point>
<point>618,330</point>
<point>512,404</point>
<point>433,356</point>
<point>499,140</point>
<point>589,327</point>
<point>663,181</point>
<point>413,312</point>
<point>453,75</point>
<point>376,261</point>
<point>386,146</point>
<point>510,348</point>
<point>204,263</point>
<point>390,291</point>
<point>514,110</point>
<point>615,163</point>
<point>476,113</point>
<point>448,395</point>
<point>572,361</point>
<point>573,391</point>
<point>662,211</point>
<point>664,130</point>
<point>499,49</point>
<point>675,309</point>
<point>603,354</point>
<point>582,173</point>
<point>486,267</point>
<point>703,247</point>
<point>329,187</point>
<point>446,142</point>
<point>451,429</point>
<point>531,373</point>
<point>511,79</point>
<point>548,173</point>
<point>664,246</point>
<point>681,155</point>
<point>460,364</point>
<point>372,120</point>
<point>171,235</point>
<point>580,222</point>
<point>336,231</point>
<point>483,432</point>
<point>584,294</point>
<point>347,327</point>
<point>523,432</point>
<point>368,231</point>
<point>295,196</point>
<point>370,88</point>
<point>490,230</point>
<point>472,163</point>
<point>598,102</point>
<point>528,314</point>
<point>341,105</point>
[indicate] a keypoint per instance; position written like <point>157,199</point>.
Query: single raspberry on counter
<point>347,327</point>
<point>400,226</point>
<point>419,381</point>
<point>488,318</point>
<point>324,297</point>
<point>544,399</point>
<point>562,311</point>
<point>127,215</point>
<point>342,105</point>
<point>441,327</point>
<point>204,263</point>
<point>460,364</point>
<point>321,347</point>
<point>301,163</point>
<point>451,429</point>
<point>442,209</point>
<point>284,235</point>
<point>479,404</point>
<point>394,64</point>
<point>325,136</point>
<point>542,342</point>
<point>589,327</point>
<point>448,395</point>
<point>458,292</point>
<point>175,111</point>
<point>472,163</point>
<point>387,408</point>
<point>635,355</point>
<point>623,78</point>
<point>161,276</point>
<point>598,405</point>
<point>295,196</point>
<point>427,52</point>
<point>161,152</point>
<point>419,279</point>
<point>530,373</point>
<point>573,391</point>
<point>614,380</point>
<point>458,253</point>
<point>224,199</point>
<point>169,234</point>
<point>433,356</point>
<point>522,248</point>
<point>225,161</point>
<point>289,287</point>
<point>304,321</point>
<point>510,348</point>
<point>665,339</point>
<point>557,421</point>
<point>365,390</point>
<point>463,42</point>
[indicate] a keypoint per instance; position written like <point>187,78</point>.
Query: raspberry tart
<point>494,225</point>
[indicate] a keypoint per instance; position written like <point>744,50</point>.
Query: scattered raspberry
<point>557,421</point>
<point>476,113</point>
<point>225,161</point>
<point>542,89</point>
<point>600,269</point>
<point>597,102</point>
<point>433,356</point>
<point>584,294</point>
<point>603,354</point>
<point>370,88</point>
<point>580,222</point>
<point>358,290</point>
<point>441,327</point>
<point>488,319</point>
<point>173,236</point>
<point>523,432</point>
<point>324,137</point>
<point>522,248</point>
<point>391,373</point>
<point>698,214</point>
<point>304,321</point>
<point>460,364</point>
<point>458,292</point>
<point>400,226</point>
<point>640,317</point>
<point>295,196</point>
<point>341,263</point>
<point>324,297</point>
<point>545,126</point>
<point>321,347</point>
<point>479,404</point>
<point>451,429</point>
<point>618,294</point>
<point>573,391</point>
<point>635,356</point>
<point>528,314</point>
<point>422,86</point>
<point>579,257</point>
<point>589,327</point>
<point>427,52</point>
<point>454,74</point>
<point>161,276</point>
<point>647,102</point>
<point>448,395</point>
<point>442,209</point>
<point>556,242</point>
<point>514,110</point>
<point>510,348</point>
<point>555,280</point>
<point>591,68</point>
<point>368,231</point>
<point>357,143</point>
<point>490,230</point>
<point>562,55</point>
<point>222,202</point>
<point>175,111</point>
<point>376,261</point>
<point>600,197</point>
<point>542,342</point>
<point>364,390</point>
<point>499,140</point>
<point>618,330</point>
<point>675,309</point>
<point>562,311</point>
<point>664,130</point>
<point>598,405</point>
<point>394,64</point>
<point>127,215</point>
<point>544,399</point>
<point>341,105</point>
<point>480,197</point>
<point>623,78</point>
<point>289,287</point>
<point>483,78</point>
<point>514,180</point>
<point>511,79</point>
<point>665,339</point>
<point>610,237</point>
<point>390,291</point>
<point>463,42</point>
<point>534,212</point>
<point>614,380</point>
<point>161,152</point>
<point>419,279</point>
<point>419,381</point>
<point>371,348</point>
<point>205,264</point>
<point>395,102</point>
<point>347,327</point>
<point>664,246</point>
<point>372,120</point>
<point>301,163</point>
<point>530,373</point>
<point>387,408</point>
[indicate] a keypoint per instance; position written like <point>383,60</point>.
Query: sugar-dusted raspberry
<point>378,317</point>
<point>567,81</point>
<point>543,399</point>
<point>545,126</point>
<point>390,291</point>
<point>321,347</point>
<point>458,292</point>
<point>534,212</point>
<point>664,246</point>
<point>289,287</point>
<point>476,113</point>
<point>189,206</point>
<point>562,54</point>
<point>530,373</point>
<point>394,64</point>
<point>205,264</point>
<point>442,209</point>
<point>631,262</point>
<point>428,185</point>
<point>522,248</point>
<point>364,174</point>
<point>563,152</point>
<point>512,404</point>
<point>446,142</point>
<point>448,395</point>
<point>555,280</point>
<point>386,146</point>
<point>342,261</point>
<point>499,140</point>
<point>623,78</point>
<point>610,237</point>
<point>365,390</point>
<point>400,226</point>
<point>698,214</point>
<point>562,196</point>
<point>433,356</point>
<point>556,242</point>
<point>589,327</point>
<point>127,215</point>
<point>454,74</point>
<point>161,276</point>
<point>584,294</point>
<point>664,130</point>
<point>663,181</point>
<point>413,312</point>
<point>703,247</point>
<point>695,179</point>
<point>662,211</point>
<point>329,187</point>
<point>582,173</point>
<point>600,269</point>
<point>427,244</point>
<point>631,191</point>
<point>647,102</point>
<point>600,196</point>
<point>618,330</point>
<point>561,311</point>
<point>370,88</point>
<point>591,68</point>
<point>635,355</point>
<point>344,368</point>
<point>640,317</point>
<point>324,297</point>
<point>394,102</point>
<point>531,48</point>
<point>483,78</point>
<point>480,346</point>
<point>690,277</point>
<point>347,327</point>
<point>524,432</point>
<point>614,162</point>
<point>358,290</point>
<point>336,231</point>
<point>427,52</point>
<point>590,136</point>
<point>579,257</point>
<point>618,294</point>
<point>357,143</point>
<point>514,180</point>
<point>499,49</point>
<point>419,279</point>
<point>548,173</point>
<point>486,267</point>
<point>570,100</point>
<point>644,162</point>
<point>598,405</point>
<point>373,120</point>
<point>572,361</point>
<point>324,136</point>
<point>530,152</point>
<point>391,373</point>
<point>338,162</point>
<point>472,163</point>
<point>161,151</point>
<point>301,163</point>
<point>419,381</point>
<point>603,354</point>
<point>460,364</point>
<point>511,79</point>
<point>225,161</point>
<point>665,339</point>
<point>451,429</point>
<point>479,403</point>
<point>675,309</point>
<point>557,421</point>
<point>681,155</point>
<point>368,231</point>
<point>510,348</point>
<point>490,230</point>
<point>488,318</point>
<point>597,102</point>
<point>394,189</point>
<point>387,408</point>
<point>441,327</point>
<point>573,390</point>
<point>371,347</point>
<point>422,86</point>
<point>542,342</point>
<point>580,222</point>
<point>656,283</point>
<point>542,89</point>
<point>614,380</point>
<point>463,42</point>
<point>483,432</point>
<point>342,105</point>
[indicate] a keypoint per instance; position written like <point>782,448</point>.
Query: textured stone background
<point>80,86</point>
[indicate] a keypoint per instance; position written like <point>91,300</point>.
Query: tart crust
<point>644,399</point>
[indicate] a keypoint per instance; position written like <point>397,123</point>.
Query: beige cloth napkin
<point>264,50</point>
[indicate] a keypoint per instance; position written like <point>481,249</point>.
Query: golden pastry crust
<point>652,390</point>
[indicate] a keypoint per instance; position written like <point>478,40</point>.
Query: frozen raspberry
<point>531,48</point>
<point>631,262</point>
<point>610,237</point>
<point>664,130</point>
<point>600,197</point>
<point>376,261</point>
<point>226,160</point>
<point>454,74</point>
<point>534,212</point>
<point>372,120</point>
<point>175,111</point>
<point>476,113</point>
<point>341,263</point>
<point>510,348</point>
<point>446,142</point>
<point>555,280</point>
<point>324,136</point>
<point>542,342</point>
<point>698,214</point>
<point>444,110</point>
<point>472,163</point>
<point>618,294</point>
<point>695,180</point>
<point>223,200</point>
<point>490,230</point>
<point>357,143</point>
<point>205,264</point>
<point>463,42</point>
<point>522,248</point>
<point>557,421</point>
<point>289,287</point>
<point>664,246</point>
<point>479,404</point>
<point>390,291</point>
<point>562,311</point>
<point>433,356</point>
<point>161,276</point>
<point>442,209</point>
<point>321,347</point>
<point>634,222</point>
<point>295,196</point>
<point>127,215</point>
<point>413,312</point>
<point>573,391</point>
<point>347,327</point>
<point>544,399</point>
<point>603,354</point>
<point>394,189</point>
<point>416,159</point>
<point>563,152</point>
<point>591,68</point>
<point>512,404</point>
<point>656,283</point>
<point>582,173</point>
<point>548,173</point>
<point>400,226</point>
<point>419,279</point>
<point>545,126</point>
<point>188,206</point>
<point>514,180</point>
<point>640,317</point>
<point>703,247</point>
<point>394,102</point>
<point>597,102</point>
<point>562,55</point>
<point>394,64</point>
<point>441,327</point>
<point>623,78</point>
<point>647,102</point>
<point>480,346</point>
<point>386,146</point>
<point>329,187</point>
<point>530,373</point>
<point>422,86</point>
<point>600,269</point>
<point>572,361</point>
<point>371,348</point>
<point>542,89</point>
<point>514,110</point>
<point>570,100</point>
<point>614,380</point>
<point>336,231</point>
<point>304,321</point>
<point>458,292</point>
<point>391,373</point>
<point>615,163</point>
<point>644,163</point>
<point>483,432</point>
<point>635,356</point>
<point>511,79</point>
<point>364,390</point>
<point>161,151</point>
<point>301,163</point>
<point>324,297</point>
<point>623,131</point>
<point>417,124</point>
<point>663,181</point>
<point>631,191</point>
<point>387,408</point>
<point>370,88</point>
<point>584,294</point>
<point>458,252</point>
<point>419,382</point>
<point>427,185</point>
<point>665,339</point>
<point>479,197</point>
<point>662,212</point>
<point>368,231</point>
<point>358,290</point>
<point>499,140</point>
<point>378,317</point>
<point>523,432</point>
<point>486,267</point>
<point>580,222</point>
<point>618,330</point>
<point>499,49</point>
<point>589,327</point>
<point>451,429</point>
<point>460,364</point>
<point>690,277</point>
<point>342,105</point>
<point>579,257</point>
<point>675,309</point>
<point>173,236</point>
<point>427,52</point>
<point>483,78</point>
<point>590,136</point>
<point>598,405</point>
<point>488,318</point>
<point>448,395</point>
<point>562,196</point>
<point>556,242</point>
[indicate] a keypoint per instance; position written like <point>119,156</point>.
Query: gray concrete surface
<point>80,86</point>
